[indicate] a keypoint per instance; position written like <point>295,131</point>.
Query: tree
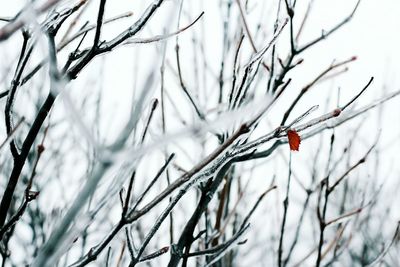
<point>202,150</point>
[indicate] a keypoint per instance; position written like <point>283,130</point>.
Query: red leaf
<point>294,140</point>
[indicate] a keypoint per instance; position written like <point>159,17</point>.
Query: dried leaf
<point>294,140</point>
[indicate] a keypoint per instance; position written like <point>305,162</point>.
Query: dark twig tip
<point>155,104</point>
